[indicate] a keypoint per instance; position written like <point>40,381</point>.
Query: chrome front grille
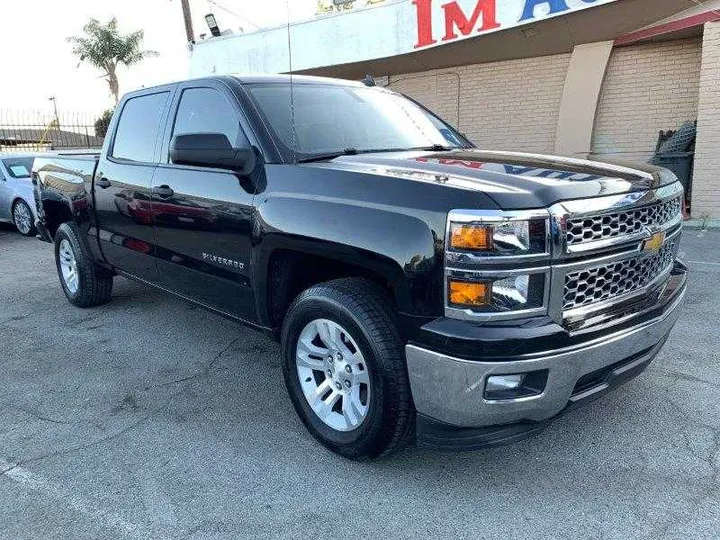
<point>612,225</point>
<point>587,277</point>
<point>612,280</point>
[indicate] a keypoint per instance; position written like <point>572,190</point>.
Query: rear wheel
<point>344,368</point>
<point>84,283</point>
<point>23,218</point>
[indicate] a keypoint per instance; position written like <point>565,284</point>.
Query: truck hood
<point>512,180</point>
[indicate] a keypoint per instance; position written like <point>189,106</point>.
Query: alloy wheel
<point>23,218</point>
<point>68,266</point>
<point>333,374</point>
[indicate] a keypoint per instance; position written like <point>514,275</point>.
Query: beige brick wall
<point>512,105</point>
<point>706,181</point>
<point>647,88</point>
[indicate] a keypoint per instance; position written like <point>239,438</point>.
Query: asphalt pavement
<point>150,418</point>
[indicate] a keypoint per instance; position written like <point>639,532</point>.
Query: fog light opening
<point>514,386</point>
<point>504,383</point>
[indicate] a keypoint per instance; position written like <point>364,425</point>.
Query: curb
<point>702,223</point>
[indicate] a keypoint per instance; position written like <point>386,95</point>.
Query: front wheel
<point>23,218</point>
<point>84,283</point>
<point>344,368</point>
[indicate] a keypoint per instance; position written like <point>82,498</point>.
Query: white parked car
<point>17,199</point>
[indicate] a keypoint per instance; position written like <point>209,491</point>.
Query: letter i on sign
<point>423,9</point>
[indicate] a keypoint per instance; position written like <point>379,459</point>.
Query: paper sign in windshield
<point>18,171</point>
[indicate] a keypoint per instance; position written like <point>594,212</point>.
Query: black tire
<point>365,310</point>
<point>29,232</point>
<point>94,282</point>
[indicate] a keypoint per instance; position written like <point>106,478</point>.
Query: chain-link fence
<point>38,131</point>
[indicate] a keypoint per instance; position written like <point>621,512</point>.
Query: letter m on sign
<point>455,19</point>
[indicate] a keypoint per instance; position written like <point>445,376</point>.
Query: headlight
<point>501,238</point>
<point>497,294</point>
<point>512,292</point>
<point>497,264</point>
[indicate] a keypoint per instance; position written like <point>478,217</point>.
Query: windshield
<point>18,167</point>
<point>334,119</point>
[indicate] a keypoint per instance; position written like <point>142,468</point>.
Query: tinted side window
<point>205,110</point>
<point>138,128</point>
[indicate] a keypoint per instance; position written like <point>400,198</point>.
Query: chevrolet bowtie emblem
<point>654,243</point>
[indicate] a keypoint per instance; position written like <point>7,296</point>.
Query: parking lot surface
<point>150,418</point>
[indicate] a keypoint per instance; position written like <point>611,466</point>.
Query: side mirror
<point>211,150</point>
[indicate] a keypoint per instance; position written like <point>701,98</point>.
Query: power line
<point>225,9</point>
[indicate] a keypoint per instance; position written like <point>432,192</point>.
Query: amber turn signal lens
<point>466,293</point>
<point>473,237</point>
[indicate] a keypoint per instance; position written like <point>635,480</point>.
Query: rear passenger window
<point>205,110</point>
<point>138,128</point>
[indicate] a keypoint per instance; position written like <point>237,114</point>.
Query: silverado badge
<point>223,261</point>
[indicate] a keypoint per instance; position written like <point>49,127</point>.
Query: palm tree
<point>105,47</point>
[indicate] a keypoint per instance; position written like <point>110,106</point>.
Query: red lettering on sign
<point>455,20</point>
<point>424,23</point>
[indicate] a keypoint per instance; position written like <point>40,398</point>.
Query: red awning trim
<point>667,28</point>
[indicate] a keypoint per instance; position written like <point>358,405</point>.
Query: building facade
<point>575,77</point>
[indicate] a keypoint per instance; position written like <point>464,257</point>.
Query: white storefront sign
<point>376,32</point>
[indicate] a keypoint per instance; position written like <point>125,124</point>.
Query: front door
<point>202,216</point>
<point>4,197</point>
<point>123,184</point>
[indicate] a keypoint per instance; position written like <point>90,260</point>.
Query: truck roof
<point>254,79</point>
<point>295,79</point>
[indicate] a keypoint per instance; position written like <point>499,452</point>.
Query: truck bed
<point>63,184</point>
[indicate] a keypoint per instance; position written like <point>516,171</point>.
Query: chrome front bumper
<point>451,390</point>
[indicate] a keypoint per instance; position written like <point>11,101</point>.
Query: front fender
<point>401,248</point>
<point>24,192</point>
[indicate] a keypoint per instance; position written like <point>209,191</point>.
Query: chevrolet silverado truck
<point>421,289</point>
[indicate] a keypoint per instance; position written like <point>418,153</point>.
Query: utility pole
<point>188,21</point>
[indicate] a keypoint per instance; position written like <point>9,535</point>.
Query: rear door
<point>123,182</point>
<point>203,216</point>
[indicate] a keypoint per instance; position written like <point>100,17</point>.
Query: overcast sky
<point>37,61</point>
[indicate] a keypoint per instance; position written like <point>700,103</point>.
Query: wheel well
<point>291,272</point>
<point>15,201</point>
<point>56,213</point>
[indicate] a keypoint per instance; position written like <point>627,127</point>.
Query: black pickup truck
<point>422,289</point>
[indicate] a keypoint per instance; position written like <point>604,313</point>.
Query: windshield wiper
<point>355,151</point>
<point>329,156</point>
<point>435,148</point>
